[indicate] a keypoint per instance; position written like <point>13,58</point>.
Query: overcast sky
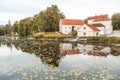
<point>14,10</point>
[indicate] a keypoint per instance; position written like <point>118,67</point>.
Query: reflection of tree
<point>49,53</point>
<point>4,41</point>
<point>115,50</point>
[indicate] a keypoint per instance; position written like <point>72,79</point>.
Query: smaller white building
<point>66,25</point>
<point>87,30</point>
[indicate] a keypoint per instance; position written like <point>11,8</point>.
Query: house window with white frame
<point>84,28</point>
<point>65,27</point>
<point>69,27</point>
<point>97,34</point>
<point>84,33</point>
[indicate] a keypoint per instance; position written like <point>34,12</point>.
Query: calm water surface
<point>22,59</point>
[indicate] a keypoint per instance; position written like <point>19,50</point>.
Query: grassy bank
<point>104,40</point>
<point>50,35</point>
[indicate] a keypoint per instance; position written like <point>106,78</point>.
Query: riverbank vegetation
<point>45,21</point>
<point>51,35</point>
<point>104,40</point>
<point>116,21</point>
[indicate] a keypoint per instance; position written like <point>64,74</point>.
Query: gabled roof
<point>93,27</point>
<point>98,25</point>
<point>99,18</point>
<point>72,22</point>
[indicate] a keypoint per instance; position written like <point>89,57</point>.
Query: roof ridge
<point>72,21</point>
<point>93,27</point>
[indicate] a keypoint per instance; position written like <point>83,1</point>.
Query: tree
<point>116,21</point>
<point>48,20</point>
<point>85,21</point>
<point>53,15</point>
<point>74,32</point>
<point>24,28</point>
<point>15,27</point>
<point>7,29</point>
<point>1,30</point>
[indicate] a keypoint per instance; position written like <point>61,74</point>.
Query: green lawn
<point>51,35</point>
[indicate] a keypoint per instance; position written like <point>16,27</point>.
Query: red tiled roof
<point>102,19</point>
<point>72,22</point>
<point>99,18</point>
<point>93,27</point>
<point>98,25</point>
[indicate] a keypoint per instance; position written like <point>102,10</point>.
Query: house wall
<point>65,46</point>
<point>102,30</point>
<point>88,34</point>
<point>90,21</point>
<point>108,26</point>
<point>84,48</point>
<point>66,29</point>
<point>86,31</point>
<point>60,26</point>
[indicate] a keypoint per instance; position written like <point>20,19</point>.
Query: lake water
<point>23,59</point>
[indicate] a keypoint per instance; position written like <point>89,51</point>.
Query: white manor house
<point>96,25</point>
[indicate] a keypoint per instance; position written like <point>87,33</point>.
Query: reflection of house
<point>68,49</point>
<point>97,25</point>
<point>85,48</point>
<point>65,46</point>
<point>97,53</point>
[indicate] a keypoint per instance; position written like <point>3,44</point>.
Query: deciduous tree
<point>116,21</point>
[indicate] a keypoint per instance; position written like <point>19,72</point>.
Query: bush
<point>114,40</point>
<point>74,33</point>
<point>104,39</point>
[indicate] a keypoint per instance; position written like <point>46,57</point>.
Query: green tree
<point>74,32</point>
<point>15,27</point>
<point>48,20</point>
<point>7,29</point>
<point>85,21</point>
<point>40,22</point>
<point>116,21</point>
<point>24,27</point>
<point>1,30</point>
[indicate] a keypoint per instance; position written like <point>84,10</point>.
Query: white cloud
<point>77,9</point>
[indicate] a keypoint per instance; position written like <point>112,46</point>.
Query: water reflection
<point>40,60</point>
<point>51,52</point>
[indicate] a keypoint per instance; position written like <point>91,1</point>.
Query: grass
<point>14,35</point>
<point>104,39</point>
<point>50,35</point>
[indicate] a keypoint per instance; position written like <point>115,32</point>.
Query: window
<point>78,27</point>
<point>84,33</point>
<point>97,34</point>
<point>103,17</point>
<point>65,27</point>
<point>69,27</point>
<point>84,28</point>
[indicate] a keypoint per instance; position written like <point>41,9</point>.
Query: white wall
<point>65,46</point>
<point>85,48</point>
<point>108,26</point>
<point>66,29</point>
<point>89,32</point>
<point>90,21</point>
<point>102,30</point>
